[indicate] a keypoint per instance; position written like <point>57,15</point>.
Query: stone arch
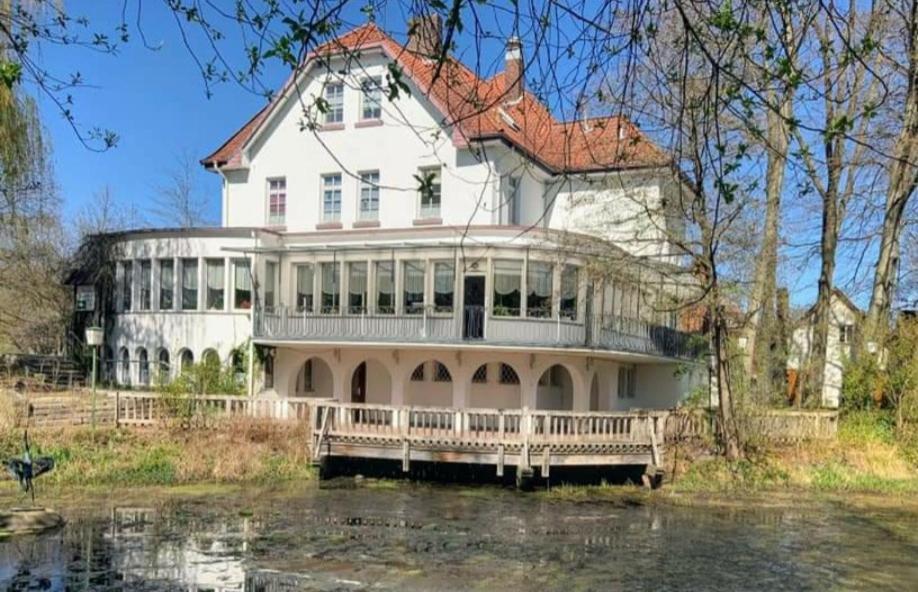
<point>496,385</point>
<point>313,378</point>
<point>124,366</point>
<point>555,388</point>
<point>143,366</point>
<point>430,384</point>
<point>373,378</point>
<point>185,359</point>
<point>163,365</point>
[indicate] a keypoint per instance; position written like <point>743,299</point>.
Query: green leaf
<point>10,73</point>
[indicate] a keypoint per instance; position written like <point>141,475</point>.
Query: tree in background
<point>179,201</point>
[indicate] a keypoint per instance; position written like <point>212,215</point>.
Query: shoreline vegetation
<point>866,458</point>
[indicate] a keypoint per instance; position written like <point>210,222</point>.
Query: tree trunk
<point>816,367</point>
<point>903,177</point>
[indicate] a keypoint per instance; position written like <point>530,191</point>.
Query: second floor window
<point>189,284</point>
<point>304,288</point>
<point>369,195</point>
<point>626,382</point>
<point>444,280</point>
<point>146,284</point>
<point>507,286</point>
<point>166,284</point>
<point>242,284</point>
<point>385,287</point>
<point>570,284</point>
<point>414,287</point>
<point>215,283</point>
<point>277,201</point>
<point>510,208</point>
<point>270,283</point>
<point>371,95</point>
<point>429,192</point>
<point>357,288</point>
<point>334,102</point>
<point>331,197</point>
<point>538,289</point>
<point>330,287</point>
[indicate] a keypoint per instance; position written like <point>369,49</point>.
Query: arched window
<point>211,358</point>
<point>163,366</point>
<point>186,359</point>
<point>143,367</point>
<point>125,370</point>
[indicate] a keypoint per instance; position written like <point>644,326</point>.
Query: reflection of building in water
<point>150,547</point>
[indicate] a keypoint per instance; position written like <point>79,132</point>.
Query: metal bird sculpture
<point>26,469</point>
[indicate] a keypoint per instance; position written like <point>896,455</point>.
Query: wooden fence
<point>144,409</point>
<point>774,425</point>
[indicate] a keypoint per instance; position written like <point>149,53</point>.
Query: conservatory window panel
<point>357,288</point>
<point>127,284</point>
<point>304,288</point>
<point>270,284</point>
<point>570,284</point>
<point>444,284</point>
<point>166,284</point>
<point>242,284</point>
<point>414,287</point>
<point>385,287</point>
<point>215,284</point>
<point>507,286</point>
<point>539,288</point>
<point>330,287</point>
<point>146,284</point>
<point>189,284</point>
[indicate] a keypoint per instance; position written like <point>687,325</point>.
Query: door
<point>474,307</point>
<point>359,384</point>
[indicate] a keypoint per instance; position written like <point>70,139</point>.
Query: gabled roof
<point>478,110</point>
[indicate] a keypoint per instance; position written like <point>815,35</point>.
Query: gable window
<point>330,281</point>
<point>304,288</point>
<point>369,196</point>
<point>569,285</point>
<point>846,334</point>
<point>371,95</point>
<point>538,290</point>
<point>331,197</point>
<point>357,288</point>
<point>215,284</point>
<point>277,201</point>
<point>334,102</point>
<point>414,287</point>
<point>507,286</point>
<point>444,280</point>
<point>626,382</point>
<point>127,284</point>
<point>146,284</point>
<point>242,284</point>
<point>429,189</point>
<point>510,206</point>
<point>270,284</point>
<point>189,284</point>
<point>166,284</point>
<point>385,287</point>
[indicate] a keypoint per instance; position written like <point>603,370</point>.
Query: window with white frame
<point>385,287</point>
<point>429,189</point>
<point>371,98</point>
<point>357,287</point>
<point>304,287</point>
<point>215,283</point>
<point>507,287</point>
<point>277,201</point>
<point>270,284</point>
<point>413,280</point>
<point>369,196</point>
<point>444,283</point>
<point>189,284</point>
<point>146,284</point>
<point>331,197</point>
<point>334,102</point>
<point>510,208</point>
<point>242,284</point>
<point>626,387</point>
<point>166,284</point>
<point>570,284</point>
<point>846,334</point>
<point>539,286</point>
<point>331,280</point>
<point>127,284</point>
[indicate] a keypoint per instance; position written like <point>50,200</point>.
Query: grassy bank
<point>868,456</point>
<point>241,451</point>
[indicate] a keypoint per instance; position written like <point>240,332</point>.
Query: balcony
<point>475,326</point>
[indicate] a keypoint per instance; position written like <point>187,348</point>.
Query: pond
<point>442,538</point>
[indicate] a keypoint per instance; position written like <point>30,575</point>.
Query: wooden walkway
<point>529,440</point>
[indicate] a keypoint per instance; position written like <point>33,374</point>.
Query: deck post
<point>406,456</point>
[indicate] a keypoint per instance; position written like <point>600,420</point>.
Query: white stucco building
<point>448,247</point>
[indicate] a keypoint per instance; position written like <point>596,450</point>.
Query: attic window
<point>507,119</point>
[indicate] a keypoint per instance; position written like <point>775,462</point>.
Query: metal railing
<point>472,323</point>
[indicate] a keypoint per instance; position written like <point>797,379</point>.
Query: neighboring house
<point>435,250</point>
<point>844,323</point>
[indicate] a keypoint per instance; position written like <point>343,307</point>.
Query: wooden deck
<point>529,440</point>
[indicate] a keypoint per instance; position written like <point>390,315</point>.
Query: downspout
<point>251,364</point>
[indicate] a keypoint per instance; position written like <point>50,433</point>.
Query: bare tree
<point>178,201</point>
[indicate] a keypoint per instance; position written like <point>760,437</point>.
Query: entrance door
<point>359,384</point>
<point>473,313</point>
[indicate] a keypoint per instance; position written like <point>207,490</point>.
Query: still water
<point>438,538</point>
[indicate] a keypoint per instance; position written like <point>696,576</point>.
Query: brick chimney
<point>514,80</point>
<point>424,35</point>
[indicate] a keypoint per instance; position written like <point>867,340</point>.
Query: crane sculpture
<point>26,469</point>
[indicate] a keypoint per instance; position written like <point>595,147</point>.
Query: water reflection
<point>452,539</point>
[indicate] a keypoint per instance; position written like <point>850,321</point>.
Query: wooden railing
<point>772,424</point>
<point>151,408</point>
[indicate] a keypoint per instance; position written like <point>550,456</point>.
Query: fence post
<point>117,409</point>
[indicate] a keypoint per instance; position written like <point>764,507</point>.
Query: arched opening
<point>143,367</point>
<point>371,383</point>
<point>124,370</point>
<point>495,385</point>
<point>186,359</point>
<point>211,358</point>
<point>108,364</point>
<point>163,370</point>
<point>430,384</point>
<point>314,379</point>
<point>594,393</point>
<point>555,389</point>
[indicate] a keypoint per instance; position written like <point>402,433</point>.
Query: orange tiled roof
<point>478,109</point>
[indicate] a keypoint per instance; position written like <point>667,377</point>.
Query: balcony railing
<point>473,325</point>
